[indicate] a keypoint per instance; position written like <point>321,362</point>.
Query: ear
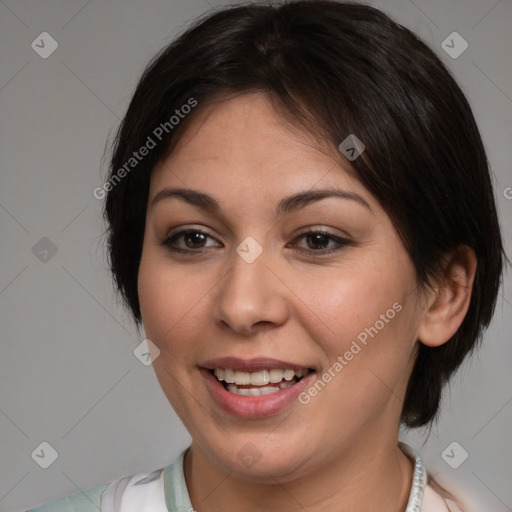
<point>448,302</point>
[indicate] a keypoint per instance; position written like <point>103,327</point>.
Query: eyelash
<point>341,242</point>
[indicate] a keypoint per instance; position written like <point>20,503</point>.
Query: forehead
<point>242,145</point>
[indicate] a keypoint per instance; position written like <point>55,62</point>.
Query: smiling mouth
<point>263,382</point>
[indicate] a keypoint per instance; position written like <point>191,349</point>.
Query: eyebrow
<point>287,205</point>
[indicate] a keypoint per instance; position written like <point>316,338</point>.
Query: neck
<point>371,476</point>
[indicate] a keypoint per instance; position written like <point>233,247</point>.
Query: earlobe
<point>449,300</point>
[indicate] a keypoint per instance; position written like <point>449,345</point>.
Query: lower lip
<point>253,406</point>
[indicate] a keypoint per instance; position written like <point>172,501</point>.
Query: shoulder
<point>135,490</point>
<point>436,499</point>
<point>83,501</point>
<point>161,490</point>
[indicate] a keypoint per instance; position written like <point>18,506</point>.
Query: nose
<point>251,297</point>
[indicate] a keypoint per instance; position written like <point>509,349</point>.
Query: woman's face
<point>249,292</point>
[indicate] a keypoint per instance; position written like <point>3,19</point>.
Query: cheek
<point>341,306</point>
<point>160,297</point>
<point>172,302</point>
<point>367,317</point>
<point>365,329</point>
<point>164,305</point>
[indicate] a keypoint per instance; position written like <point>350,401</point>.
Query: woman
<point>301,216</point>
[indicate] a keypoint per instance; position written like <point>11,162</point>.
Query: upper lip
<point>251,365</point>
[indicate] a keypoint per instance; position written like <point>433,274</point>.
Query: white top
<point>165,490</point>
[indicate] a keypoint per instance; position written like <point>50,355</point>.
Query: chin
<point>261,459</point>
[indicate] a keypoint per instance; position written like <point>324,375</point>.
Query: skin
<point>339,451</point>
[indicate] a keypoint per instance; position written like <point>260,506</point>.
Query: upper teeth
<point>261,378</point>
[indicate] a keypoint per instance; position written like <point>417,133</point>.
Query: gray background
<point>67,369</point>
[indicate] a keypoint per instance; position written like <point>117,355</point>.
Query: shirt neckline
<point>177,498</point>
<point>419,479</point>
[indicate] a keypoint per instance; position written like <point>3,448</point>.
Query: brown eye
<point>194,240</point>
<point>321,242</point>
<point>189,240</point>
<point>317,240</point>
